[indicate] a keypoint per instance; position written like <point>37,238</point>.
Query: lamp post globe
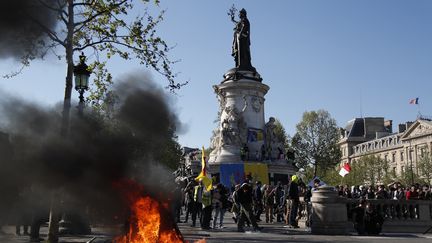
<point>82,75</point>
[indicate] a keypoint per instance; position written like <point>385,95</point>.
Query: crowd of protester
<point>394,191</point>
<point>251,203</point>
<point>368,216</point>
<point>248,202</point>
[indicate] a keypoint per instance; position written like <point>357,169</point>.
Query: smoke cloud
<point>36,162</point>
<point>23,25</point>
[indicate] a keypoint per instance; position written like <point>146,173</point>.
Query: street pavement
<point>273,233</point>
<point>276,232</point>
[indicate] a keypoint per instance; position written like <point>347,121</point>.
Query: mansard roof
<point>355,128</point>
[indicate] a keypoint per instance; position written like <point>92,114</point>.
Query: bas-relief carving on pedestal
<point>221,96</point>
<point>257,103</point>
<point>233,127</point>
<point>232,130</point>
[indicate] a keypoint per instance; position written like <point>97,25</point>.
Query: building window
<point>385,157</point>
<point>393,157</point>
<point>394,170</point>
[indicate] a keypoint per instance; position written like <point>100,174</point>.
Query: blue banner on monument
<point>255,135</point>
<point>231,174</point>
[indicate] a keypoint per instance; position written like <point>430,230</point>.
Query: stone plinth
<point>329,215</point>
<point>241,100</point>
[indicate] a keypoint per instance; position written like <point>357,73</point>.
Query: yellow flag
<point>207,181</point>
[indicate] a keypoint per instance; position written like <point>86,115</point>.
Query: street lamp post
<point>411,162</point>
<point>82,75</point>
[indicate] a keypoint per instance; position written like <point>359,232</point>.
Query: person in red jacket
<point>412,194</point>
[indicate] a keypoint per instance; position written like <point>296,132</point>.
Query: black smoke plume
<point>85,167</point>
<point>23,26</point>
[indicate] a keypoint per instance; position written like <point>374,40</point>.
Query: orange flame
<point>145,222</point>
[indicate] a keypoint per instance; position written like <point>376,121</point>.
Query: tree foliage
<point>281,135</point>
<point>315,141</point>
<point>371,170</point>
<point>170,153</point>
<point>106,29</point>
<point>424,166</point>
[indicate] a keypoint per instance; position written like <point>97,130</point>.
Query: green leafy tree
<point>408,176</point>
<point>369,169</point>
<point>281,135</point>
<point>331,176</point>
<point>315,142</point>
<point>170,153</point>
<point>425,167</point>
<point>103,27</point>
<point>374,168</point>
<point>357,175</point>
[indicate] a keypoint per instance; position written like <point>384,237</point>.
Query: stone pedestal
<point>329,215</point>
<point>241,99</point>
<point>228,153</point>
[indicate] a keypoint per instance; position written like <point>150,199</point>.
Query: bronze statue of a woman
<point>241,41</point>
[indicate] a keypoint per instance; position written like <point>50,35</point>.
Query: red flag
<point>345,170</point>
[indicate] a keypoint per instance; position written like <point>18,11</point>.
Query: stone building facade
<point>374,136</point>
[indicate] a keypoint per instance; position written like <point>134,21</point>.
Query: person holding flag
<point>202,195</point>
<point>204,176</point>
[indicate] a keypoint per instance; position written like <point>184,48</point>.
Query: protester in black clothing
<point>373,220</point>
<point>244,196</point>
<point>381,193</point>
<point>425,194</point>
<point>189,202</point>
<point>293,199</point>
<point>358,216</point>
<point>23,214</point>
<point>258,201</point>
<point>370,193</point>
<point>279,193</point>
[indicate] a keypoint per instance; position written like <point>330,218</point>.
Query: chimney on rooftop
<point>388,126</point>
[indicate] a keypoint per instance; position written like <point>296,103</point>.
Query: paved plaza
<point>275,233</point>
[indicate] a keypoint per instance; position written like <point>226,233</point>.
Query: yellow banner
<point>258,172</point>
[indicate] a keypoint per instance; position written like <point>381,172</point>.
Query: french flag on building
<point>345,170</point>
<point>414,101</point>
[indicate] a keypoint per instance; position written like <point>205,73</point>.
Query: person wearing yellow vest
<point>206,209</point>
<point>245,213</point>
<point>293,201</point>
<point>197,206</point>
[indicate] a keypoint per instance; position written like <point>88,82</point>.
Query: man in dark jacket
<point>258,203</point>
<point>244,196</point>
<point>293,200</point>
<point>279,203</point>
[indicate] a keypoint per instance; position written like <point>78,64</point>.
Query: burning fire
<point>149,220</point>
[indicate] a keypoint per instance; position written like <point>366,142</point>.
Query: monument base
<point>235,74</point>
<point>227,154</point>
